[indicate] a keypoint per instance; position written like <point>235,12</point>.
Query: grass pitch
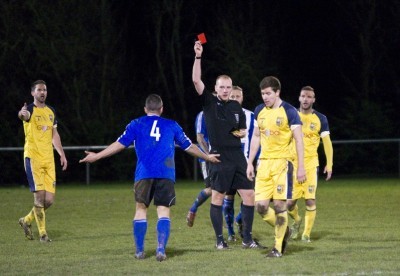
<point>356,233</point>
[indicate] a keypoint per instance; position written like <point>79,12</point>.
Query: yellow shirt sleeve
<point>326,140</point>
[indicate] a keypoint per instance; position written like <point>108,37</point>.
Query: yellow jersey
<point>39,133</point>
<point>275,130</point>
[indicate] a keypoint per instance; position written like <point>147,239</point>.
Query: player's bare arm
<point>254,147</point>
<point>328,149</point>
<point>195,151</point>
<point>298,137</point>
<point>110,150</point>
<point>58,146</point>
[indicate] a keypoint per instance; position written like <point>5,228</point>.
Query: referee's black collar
<point>224,102</point>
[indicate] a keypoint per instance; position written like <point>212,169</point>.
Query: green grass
<point>356,233</point>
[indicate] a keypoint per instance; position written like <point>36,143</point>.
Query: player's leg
<point>229,213</point>
<point>293,211</point>
<point>309,219</point>
<point>200,199</point>
<point>144,192</point>
<point>163,231</point>
<point>311,208</point>
<point>40,215</point>
<point>281,225</point>
<point>139,229</point>
<point>46,199</point>
<point>282,170</point>
<point>25,222</point>
<point>217,219</point>
<point>164,198</point>
<point>239,222</point>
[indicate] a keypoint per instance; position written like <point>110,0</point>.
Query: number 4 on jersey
<point>155,131</point>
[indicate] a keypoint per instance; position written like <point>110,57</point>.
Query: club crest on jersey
<point>312,126</point>
<point>51,118</point>
<point>311,189</point>
<point>279,121</point>
<point>280,189</point>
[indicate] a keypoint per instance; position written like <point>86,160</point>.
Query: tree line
<point>102,58</point>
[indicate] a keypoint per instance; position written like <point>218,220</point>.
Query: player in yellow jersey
<point>40,127</point>
<point>315,127</point>
<point>277,123</point>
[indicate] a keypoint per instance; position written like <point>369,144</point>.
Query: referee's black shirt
<point>221,119</point>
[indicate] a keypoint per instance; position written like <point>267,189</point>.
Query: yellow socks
<point>295,214</point>
<point>309,219</point>
<point>280,229</point>
<point>40,220</point>
<point>30,217</point>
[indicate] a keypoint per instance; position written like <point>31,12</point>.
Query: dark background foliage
<point>102,58</point>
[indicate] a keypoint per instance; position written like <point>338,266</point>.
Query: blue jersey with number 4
<point>154,139</point>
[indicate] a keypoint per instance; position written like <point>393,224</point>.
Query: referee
<point>226,124</point>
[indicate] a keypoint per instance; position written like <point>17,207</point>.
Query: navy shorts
<point>230,174</point>
<point>162,190</point>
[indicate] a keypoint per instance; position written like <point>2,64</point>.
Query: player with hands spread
<point>154,139</point>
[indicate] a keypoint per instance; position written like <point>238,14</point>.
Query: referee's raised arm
<point>196,73</point>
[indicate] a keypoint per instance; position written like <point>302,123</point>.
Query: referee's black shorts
<point>230,173</point>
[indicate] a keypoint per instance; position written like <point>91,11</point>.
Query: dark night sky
<point>318,45</point>
<point>347,50</point>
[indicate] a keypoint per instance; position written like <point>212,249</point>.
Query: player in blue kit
<point>154,139</point>
<point>202,140</point>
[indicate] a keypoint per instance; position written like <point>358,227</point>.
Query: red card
<point>202,38</point>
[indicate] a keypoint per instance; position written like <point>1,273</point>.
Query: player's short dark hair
<point>308,88</point>
<point>272,82</point>
<point>153,102</point>
<point>33,85</point>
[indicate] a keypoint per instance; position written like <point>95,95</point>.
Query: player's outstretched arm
<point>110,150</point>
<point>195,151</point>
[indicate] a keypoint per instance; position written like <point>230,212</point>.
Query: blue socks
<point>163,230</point>
<point>139,233</point>
<point>229,213</point>
<point>140,229</point>
<point>201,198</point>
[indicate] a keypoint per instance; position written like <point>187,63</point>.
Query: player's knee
<point>261,209</point>
<point>48,203</point>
